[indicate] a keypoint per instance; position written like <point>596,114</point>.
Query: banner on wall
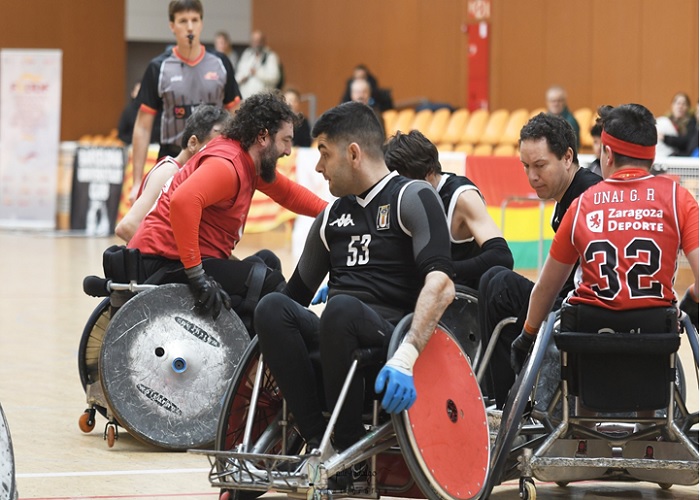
<point>30,114</point>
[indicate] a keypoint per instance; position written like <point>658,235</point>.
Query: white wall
<point>147,20</point>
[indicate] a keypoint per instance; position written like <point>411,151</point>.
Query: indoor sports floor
<point>42,314</point>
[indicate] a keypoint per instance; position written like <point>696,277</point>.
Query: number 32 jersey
<point>627,232</point>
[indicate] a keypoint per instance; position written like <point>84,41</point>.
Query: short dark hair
<point>597,128</point>
<point>558,133</point>
<point>177,6</point>
<point>265,111</point>
<point>201,121</point>
<point>352,122</point>
<point>631,123</point>
<point>412,155</point>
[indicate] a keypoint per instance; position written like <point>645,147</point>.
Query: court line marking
<point>111,473</point>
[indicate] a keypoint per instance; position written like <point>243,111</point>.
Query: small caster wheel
<point>111,434</point>
<point>665,486</point>
<point>527,489</point>
<point>86,422</point>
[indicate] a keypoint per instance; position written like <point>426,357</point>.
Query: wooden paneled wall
<point>601,51</point>
<point>91,36</point>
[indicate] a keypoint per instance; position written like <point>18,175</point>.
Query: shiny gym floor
<point>42,314</point>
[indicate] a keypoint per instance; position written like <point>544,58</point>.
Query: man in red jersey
<point>626,231</point>
<point>189,236</point>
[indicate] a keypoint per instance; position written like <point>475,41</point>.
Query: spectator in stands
<point>258,68</point>
<point>380,98</point>
<point>361,91</point>
<point>556,105</point>
<point>594,167</point>
<point>302,129</point>
<point>205,123</point>
<point>677,128</point>
<point>222,43</point>
<point>125,127</point>
<point>476,241</point>
<point>548,152</point>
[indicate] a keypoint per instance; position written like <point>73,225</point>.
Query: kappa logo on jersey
<point>383,217</point>
<point>343,221</point>
<point>594,221</point>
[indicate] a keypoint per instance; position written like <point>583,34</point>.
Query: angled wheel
<point>266,435</point>
<point>446,419</point>
<point>8,482</point>
<point>90,346</point>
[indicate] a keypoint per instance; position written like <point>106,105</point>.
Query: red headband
<point>627,148</point>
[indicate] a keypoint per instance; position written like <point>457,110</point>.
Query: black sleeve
<point>148,93</point>
<point>422,213</point>
<point>231,91</point>
<point>312,267</point>
<point>494,252</point>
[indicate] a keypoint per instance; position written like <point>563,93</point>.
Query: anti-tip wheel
<point>86,422</point>
<point>528,491</point>
<point>110,435</point>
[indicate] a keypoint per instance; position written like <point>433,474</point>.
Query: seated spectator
<point>557,105</point>
<point>361,91</point>
<point>380,98</point>
<point>302,129</point>
<point>677,128</point>
<point>594,167</point>
<point>222,43</point>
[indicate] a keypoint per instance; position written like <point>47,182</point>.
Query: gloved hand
<point>321,296</point>
<point>208,294</point>
<point>519,350</point>
<point>396,380</point>
<point>689,305</point>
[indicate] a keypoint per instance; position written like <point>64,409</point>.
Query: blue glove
<point>321,296</point>
<point>396,380</point>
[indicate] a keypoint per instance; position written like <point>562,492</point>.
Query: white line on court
<point>112,473</point>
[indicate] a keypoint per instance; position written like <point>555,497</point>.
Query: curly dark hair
<point>412,155</point>
<point>263,112</point>
<point>558,133</point>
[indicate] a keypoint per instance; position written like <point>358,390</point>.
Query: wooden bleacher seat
<point>421,121</point>
<point>389,116</point>
<point>505,150</point>
<point>585,118</point>
<point>444,147</point>
<point>404,121</point>
<point>464,147</point>
<point>495,126</point>
<point>438,125</point>
<point>511,133</point>
<point>455,126</point>
<point>482,150</point>
<point>475,126</point>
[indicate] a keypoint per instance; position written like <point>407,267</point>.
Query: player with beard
<point>189,235</point>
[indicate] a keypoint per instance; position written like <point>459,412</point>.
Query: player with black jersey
<point>548,153</point>
<point>385,245</point>
<point>477,242</point>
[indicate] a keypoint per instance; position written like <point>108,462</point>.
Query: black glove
<point>208,294</point>
<point>519,350</point>
<point>689,306</point>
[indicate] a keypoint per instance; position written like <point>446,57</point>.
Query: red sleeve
<point>688,220</point>
<point>204,187</point>
<point>293,196</point>
<point>562,248</point>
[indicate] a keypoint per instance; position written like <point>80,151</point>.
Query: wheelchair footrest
<point>257,471</point>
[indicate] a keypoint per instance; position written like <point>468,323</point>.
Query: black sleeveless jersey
<point>451,186</point>
<point>371,253</point>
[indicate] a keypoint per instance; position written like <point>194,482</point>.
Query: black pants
<point>290,335</point>
<point>502,294</point>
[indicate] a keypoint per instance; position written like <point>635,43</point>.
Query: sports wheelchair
<point>8,482</point>
<point>439,448</point>
<point>148,362</point>
<point>616,407</point>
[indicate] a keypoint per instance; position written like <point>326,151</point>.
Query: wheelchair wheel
<point>90,346</point>
<point>266,434</point>
<point>461,318</point>
<point>8,485</point>
<point>164,367</point>
<point>446,419</point>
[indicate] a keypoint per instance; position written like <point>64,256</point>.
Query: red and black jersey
<point>626,233</point>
